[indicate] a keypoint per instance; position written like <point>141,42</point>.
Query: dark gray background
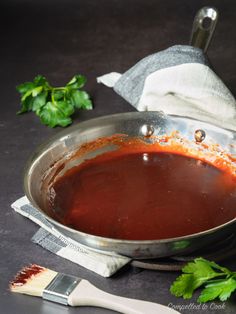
<point>59,38</point>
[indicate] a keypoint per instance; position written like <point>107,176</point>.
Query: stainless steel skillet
<point>136,124</point>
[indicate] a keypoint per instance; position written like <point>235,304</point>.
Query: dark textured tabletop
<point>59,38</point>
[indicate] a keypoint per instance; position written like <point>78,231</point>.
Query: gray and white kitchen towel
<point>102,263</point>
<point>177,81</point>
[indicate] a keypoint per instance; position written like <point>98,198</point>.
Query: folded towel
<point>177,81</point>
<point>102,263</point>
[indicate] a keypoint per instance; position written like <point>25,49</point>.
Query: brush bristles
<point>32,280</point>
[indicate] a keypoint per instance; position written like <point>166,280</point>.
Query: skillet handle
<point>203,27</point>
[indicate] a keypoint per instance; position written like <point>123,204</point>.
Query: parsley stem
<point>58,88</point>
<point>52,96</point>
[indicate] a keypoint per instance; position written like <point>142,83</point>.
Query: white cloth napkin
<point>102,263</point>
<point>176,81</point>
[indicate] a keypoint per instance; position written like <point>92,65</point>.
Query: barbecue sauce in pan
<point>144,195</point>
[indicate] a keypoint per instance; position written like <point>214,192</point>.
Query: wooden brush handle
<point>85,294</point>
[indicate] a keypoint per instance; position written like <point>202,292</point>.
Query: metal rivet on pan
<point>147,130</point>
<point>199,135</point>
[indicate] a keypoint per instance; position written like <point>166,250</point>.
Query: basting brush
<point>69,290</point>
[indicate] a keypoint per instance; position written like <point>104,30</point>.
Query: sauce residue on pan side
<point>142,192</point>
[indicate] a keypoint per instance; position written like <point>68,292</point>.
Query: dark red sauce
<point>144,196</point>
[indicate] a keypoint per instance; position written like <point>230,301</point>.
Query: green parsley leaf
<point>78,81</point>
<point>26,105</point>
<point>40,80</point>
<point>202,272</point>
<point>36,91</point>
<point>65,107</point>
<point>54,105</point>
<point>80,100</point>
<point>59,94</point>
<point>25,87</point>
<point>39,101</point>
<point>201,269</point>
<point>52,115</point>
<point>221,290</point>
<point>183,286</point>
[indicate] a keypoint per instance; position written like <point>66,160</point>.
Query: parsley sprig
<point>218,282</point>
<point>54,105</point>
